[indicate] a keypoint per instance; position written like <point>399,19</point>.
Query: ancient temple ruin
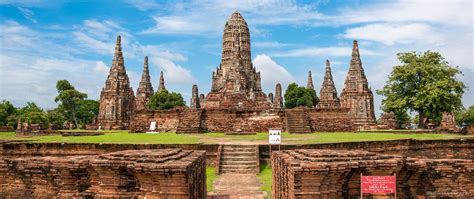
<point>145,89</point>
<point>328,94</point>
<point>236,102</point>
<point>236,83</point>
<point>356,94</point>
<point>117,97</point>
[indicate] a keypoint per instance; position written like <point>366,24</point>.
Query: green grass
<point>120,137</point>
<point>213,138</point>
<point>265,177</point>
<point>210,178</point>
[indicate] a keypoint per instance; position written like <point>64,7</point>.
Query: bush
<point>164,100</point>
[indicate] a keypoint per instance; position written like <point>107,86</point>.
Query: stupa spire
<point>195,101</point>
<point>145,88</point>
<point>278,99</point>
<point>162,82</point>
<point>117,61</point>
<point>310,84</point>
<point>328,94</point>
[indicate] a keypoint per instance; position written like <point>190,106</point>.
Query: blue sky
<point>45,41</point>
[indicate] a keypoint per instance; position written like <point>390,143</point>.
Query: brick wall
<point>165,173</point>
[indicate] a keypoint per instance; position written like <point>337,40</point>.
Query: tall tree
<point>7,111</point>
<point>69,98</point>
<point>299,96</point>
<point>425,83</point>
<point>163,100</point>
<point>465,116</point>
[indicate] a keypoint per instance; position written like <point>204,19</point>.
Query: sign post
<point>378,185</point>
<point>274,138</point>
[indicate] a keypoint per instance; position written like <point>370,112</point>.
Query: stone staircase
<point>297,121</point>
<point>239,159</point>
<point>189,121</point>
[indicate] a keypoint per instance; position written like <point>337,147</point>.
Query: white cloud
<point>390,34</point>
<point>455,12</point>
<point>326,51</point>
<point>173,73</point>
<point>205,16</point>
<point>270,44</point>
<point>100,67</point>
<point>28,14</point>
<point>271,72</point>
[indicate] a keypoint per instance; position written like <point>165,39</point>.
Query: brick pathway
<point>237,186</point>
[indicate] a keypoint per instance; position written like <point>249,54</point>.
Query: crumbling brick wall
<point>326,173</point>
<point>172,173</point>
<point>330,120</point>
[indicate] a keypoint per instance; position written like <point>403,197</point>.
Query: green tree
<point>33,114</point>
<point>163,100</point>
<point>299,96</point>
<point>424,83</point>
<point>87,110</point>
<point>465,116</point>
<point>7,112</point>
<point>56,117</point>
<point>69,98</point>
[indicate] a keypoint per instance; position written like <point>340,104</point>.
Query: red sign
<point>378,184</point>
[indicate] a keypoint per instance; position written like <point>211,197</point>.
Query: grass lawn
<point>212,138</point>
<point>210,178</point>
<point>265,177</point>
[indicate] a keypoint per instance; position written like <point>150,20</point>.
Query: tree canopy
<point>425,83</point>
<point>299,96</point>
<point>8,114</point>
<point>465,116</point>
<point>163,100</point>
<point>69,99</point>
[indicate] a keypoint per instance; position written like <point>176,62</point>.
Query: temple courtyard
<point>123,137</point>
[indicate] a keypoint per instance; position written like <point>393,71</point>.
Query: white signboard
<point>152,128</point>
<point>274,136</point>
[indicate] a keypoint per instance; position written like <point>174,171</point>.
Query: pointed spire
<point>328,93</point>
<point>117,61</point>
<point>355,50</point>
<point>145,89</point>
<point>310,84</point>
<point>162,82</point>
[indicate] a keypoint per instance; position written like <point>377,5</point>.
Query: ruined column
<point>310,84</point>
<point>195,98</point>
<point>278,100</point>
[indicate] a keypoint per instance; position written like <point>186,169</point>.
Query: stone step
<point>239,153</point>
<point>238,146</point>
<point>251,167</point>
<point>238,171</point>
<point>240,150</point>
<point>231,162</point>
<point>238,158</point>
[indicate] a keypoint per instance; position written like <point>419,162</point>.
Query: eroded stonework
<point>117,97</point>
<point>306,173</point>
<point>328,94</point>
<point>145,89</point>
<point>356,94</point>
<point>236,83</point>
<point>165,173</point>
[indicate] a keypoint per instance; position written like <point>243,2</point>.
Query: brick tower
<point>236,83</point>
<point>116,98</point>
<point>356,94</point>
<point>145,89</point>
<point>328,94</point>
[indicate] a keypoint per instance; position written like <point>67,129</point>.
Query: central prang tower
<point>236,83</point>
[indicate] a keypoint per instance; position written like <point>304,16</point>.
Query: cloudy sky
<point>45,41</point>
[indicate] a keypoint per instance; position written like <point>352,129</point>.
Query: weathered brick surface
<point>305,173</point>
<point>166,173</point>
